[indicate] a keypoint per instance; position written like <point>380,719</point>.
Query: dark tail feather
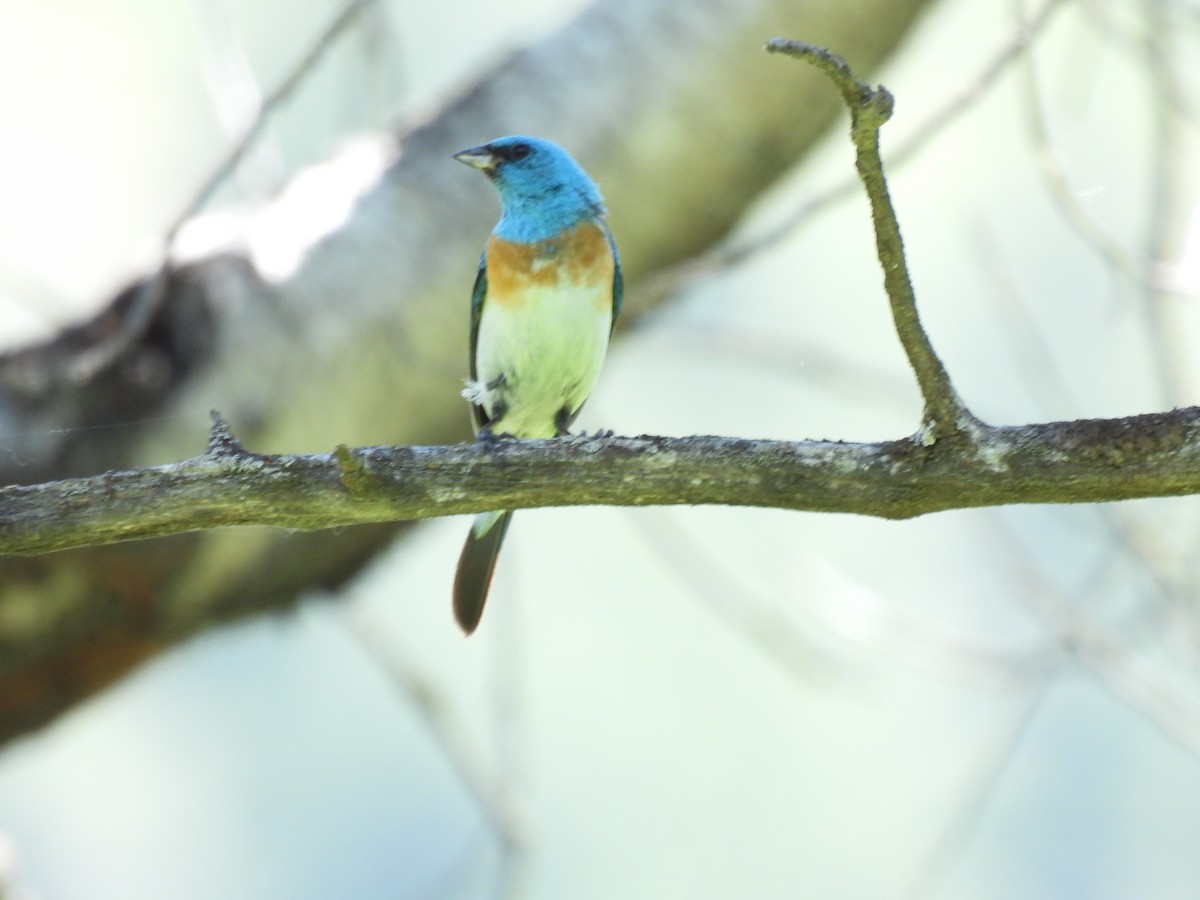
<point>475,567</point>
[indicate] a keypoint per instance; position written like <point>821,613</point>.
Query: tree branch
<point>338,312</point>
<point>728,254</point>
<point>870,108</point>
<point>1154,455</point>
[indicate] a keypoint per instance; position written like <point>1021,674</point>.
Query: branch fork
<point>946,415</point>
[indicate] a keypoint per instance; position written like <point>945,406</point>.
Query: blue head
<point>542,190</point>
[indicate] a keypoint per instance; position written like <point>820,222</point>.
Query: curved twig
<point>870,108</point>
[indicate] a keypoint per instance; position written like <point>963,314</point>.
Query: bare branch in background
<point>252,133</point>
<point>717,586</point>
<point>1107,655</point>
<point>1129,264</point>
<point>492,793</point>
<point>1168,205</point>
<point>977,795</point>
<point>945,413</point>
<point>729,254</point>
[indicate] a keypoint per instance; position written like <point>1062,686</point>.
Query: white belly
<point>541,355</point>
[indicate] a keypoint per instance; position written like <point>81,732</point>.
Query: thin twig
<point>496,802</point>
<point>713,581</point>
<point>870,108</point>
<point>1168,205</point>
<point>963,823</point>
<point>147,296</point>
<point>728,255</point>
<point>235,90</point>
<point>270,103</point>
<point>1129,264</point>
<point>1106,654</point>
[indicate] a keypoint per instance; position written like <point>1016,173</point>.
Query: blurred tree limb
<point>338,312</point>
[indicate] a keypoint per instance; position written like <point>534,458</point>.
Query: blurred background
<point>699,703</point>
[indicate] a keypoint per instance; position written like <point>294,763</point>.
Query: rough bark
<point>1086,461</point>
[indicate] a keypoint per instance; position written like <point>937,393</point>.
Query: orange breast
<point>578,257</point>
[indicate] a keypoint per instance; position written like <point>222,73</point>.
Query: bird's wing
<point>618,288</point>
<point>478,416</point>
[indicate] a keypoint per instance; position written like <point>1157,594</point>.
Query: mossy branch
<point>870,108</point>
<point>1061,462</point>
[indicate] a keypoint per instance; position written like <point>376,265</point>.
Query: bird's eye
<point>520,151</point>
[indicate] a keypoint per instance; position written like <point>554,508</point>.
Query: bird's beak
<point>480,158</point>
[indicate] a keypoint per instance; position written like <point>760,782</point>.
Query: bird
<point>546,298</point>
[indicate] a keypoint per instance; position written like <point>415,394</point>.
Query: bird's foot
<point>489,439</point>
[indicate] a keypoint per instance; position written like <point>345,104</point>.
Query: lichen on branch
<point>945,413</point>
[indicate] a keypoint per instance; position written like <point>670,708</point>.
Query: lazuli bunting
<point>546,297</point>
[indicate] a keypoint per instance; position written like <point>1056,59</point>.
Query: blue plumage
<point>546,296</point>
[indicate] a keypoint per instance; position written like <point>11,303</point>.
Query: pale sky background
<point>682,703</point>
